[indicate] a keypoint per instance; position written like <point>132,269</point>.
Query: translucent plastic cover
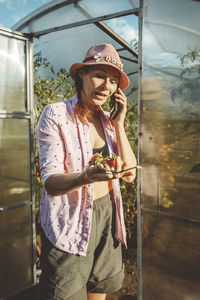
<point>60,12</point>
<point>170,150</point>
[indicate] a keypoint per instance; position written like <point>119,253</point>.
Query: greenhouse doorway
<point>90,29</point>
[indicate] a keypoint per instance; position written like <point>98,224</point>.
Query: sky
<point>126,27</point>
<point>11,11</point>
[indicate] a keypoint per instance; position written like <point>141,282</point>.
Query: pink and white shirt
<point>65,147</point>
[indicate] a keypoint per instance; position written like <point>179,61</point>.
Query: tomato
<point>111,161</point>
<point>99,159</point>
<point>128,210</point>
<point>96,159</point>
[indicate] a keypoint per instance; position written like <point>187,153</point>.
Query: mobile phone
<point>115,107</point>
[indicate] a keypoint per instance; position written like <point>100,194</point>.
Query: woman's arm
<point>60,184</point>
<point>124,149</point>
<point>126,153</point>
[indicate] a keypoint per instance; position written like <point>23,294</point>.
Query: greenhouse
<point>159,45</point>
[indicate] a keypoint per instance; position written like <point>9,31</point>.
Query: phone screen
<point>115,107</point>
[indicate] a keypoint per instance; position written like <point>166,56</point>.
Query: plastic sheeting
<point>59,12</point>
<point>169,151</point>
<point>64,47</point>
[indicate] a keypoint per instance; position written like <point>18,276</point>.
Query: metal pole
<point>139,216</point>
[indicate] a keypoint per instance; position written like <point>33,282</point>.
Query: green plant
<point>187,87</point>
<point>129,190</point>
<point>48,89</point>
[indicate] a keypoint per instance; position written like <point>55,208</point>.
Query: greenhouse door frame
<point>99,22</point>
<point>27,114</point>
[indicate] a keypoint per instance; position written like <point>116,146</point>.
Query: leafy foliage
<point>52,88</point>
<point>129,190</point>
<point>55,87</point>
<point>178,152</point>
<point>188,85</point>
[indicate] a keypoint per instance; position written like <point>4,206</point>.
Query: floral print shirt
<point>64,147</point>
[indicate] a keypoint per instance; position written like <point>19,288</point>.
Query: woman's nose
<point>106,83</point>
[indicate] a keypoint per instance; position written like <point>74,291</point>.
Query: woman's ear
<point>81,73</point>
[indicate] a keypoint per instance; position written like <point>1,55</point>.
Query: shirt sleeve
<point>50,143</point>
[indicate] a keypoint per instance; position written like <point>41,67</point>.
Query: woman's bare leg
<point>94,296</point>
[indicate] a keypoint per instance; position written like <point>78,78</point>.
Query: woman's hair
<point>80,110</point>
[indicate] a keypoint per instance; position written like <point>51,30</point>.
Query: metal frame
<point>38,34</point>
<point>30,89</point>
<point>98,21</point>
<point>6,114</point>
<point>139,215</point>
<point>13,33</point>
<point>4,208</point>
<point>43,10</point>
<point>26,115</point>
<point>100,24</point>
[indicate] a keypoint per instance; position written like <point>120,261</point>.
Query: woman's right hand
<point>96,173</point>
<point>103,172</point>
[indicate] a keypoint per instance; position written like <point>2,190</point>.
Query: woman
<point>81,212</point>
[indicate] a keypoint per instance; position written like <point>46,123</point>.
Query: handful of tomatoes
<point>99,160</point>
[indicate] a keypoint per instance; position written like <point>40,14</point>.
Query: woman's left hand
<point>122,100</point>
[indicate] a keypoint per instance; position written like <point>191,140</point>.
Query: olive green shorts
<point>69,276</point>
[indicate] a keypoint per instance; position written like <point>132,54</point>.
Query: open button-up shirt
<point>65,147</point>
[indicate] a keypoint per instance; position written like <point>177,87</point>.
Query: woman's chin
<point>95,101</point>
<point>99,100</point>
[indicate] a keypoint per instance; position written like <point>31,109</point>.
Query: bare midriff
<point>101,189</point>
<point>98,140</point>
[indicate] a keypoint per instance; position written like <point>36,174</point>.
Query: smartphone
<point>114,106</point>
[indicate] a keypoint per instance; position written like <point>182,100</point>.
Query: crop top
<point>103,150</point>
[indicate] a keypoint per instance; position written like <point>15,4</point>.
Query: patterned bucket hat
<point>102,54</point>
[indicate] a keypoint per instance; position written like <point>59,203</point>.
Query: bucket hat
<point>102,54</point>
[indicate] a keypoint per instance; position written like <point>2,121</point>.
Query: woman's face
<point>98,84</point>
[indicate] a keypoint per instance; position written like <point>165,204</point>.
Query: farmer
<point>81,213</point>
